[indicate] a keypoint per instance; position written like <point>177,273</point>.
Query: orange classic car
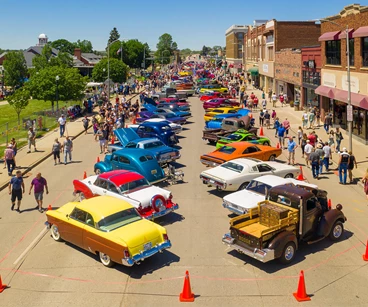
<point>240,150</point>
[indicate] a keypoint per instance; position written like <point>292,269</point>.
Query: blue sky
<point>191,23</point>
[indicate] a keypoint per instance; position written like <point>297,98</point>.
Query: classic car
<point>175,127</point>
<point>176,100</point>
<point>128,138</point>
<point>138,160</point>
<point>173,106</point>
<point>236,174</point>
<point>159,130</point>
<point>220,102</point>
<point>210,113</point>
<point>210,95</point>
<point>146,115</point>
<point>213,87</point>
<point>242,201</point>
<point>131,187</point>
<point>109,227</point>
<point>217,120</point>
<point>156,110</point>
<point>240,150</point>
<point>242,135</point>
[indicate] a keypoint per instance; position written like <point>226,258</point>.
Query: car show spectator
<point>16,190</point>
<point>62,123</point>
<point>31,136</point>
<point>56,148</point>
<point>9,158</point>
<point>40,185</point>
<point>67,148</point>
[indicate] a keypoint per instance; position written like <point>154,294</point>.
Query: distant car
<point>240,150</point>
<point>217,120</point>
<point>178,101</point>
<point>172,106</point>
<point>213,87</point>
<point>242,135</point>
<point>144,116</point>
<point>175,127</point>
<point>158,130</point>
<point>178,113</point>
<point>137,160</point>
<point>108,227</point>
<point>236,174</point>
<point>242,201</point>
<point>210,95</point>
<point>131,187</point>
<point>128,138</point>
<point>210,113</point>
<point>220,102</point>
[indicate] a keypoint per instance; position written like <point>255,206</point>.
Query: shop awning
<point>357,100</point>
<point>329,36</point>
<point>361,32</point>
<point>342,34</point>
<point>325,91</point>
<point>253,71</point>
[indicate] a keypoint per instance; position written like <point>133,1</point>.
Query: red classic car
<point>173,100</point>
<point>220,102</point>
<point>214,95</point>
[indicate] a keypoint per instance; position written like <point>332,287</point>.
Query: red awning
<point>342,35</point>
<point>325,91</point>
<point>329,36</point>
<point>357,100</point>
<point>361,32</point>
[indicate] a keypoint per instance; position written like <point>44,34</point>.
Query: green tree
<point>118,71</point>
<point>84,45</point>
<point>132,52</point>
<point>46,59</point>
<point>63,45</point>
<point>19,101</point>
<point>205,50</point>
<point>165,48</point>
<point>114,35</point>
<point>15,68</point>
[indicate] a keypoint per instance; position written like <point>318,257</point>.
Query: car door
<point>114,161</point>
<point>256,153</point>
<point>74,229</point>
<point>264,169</point>
<point>312,212</point>
<point>124,163</point>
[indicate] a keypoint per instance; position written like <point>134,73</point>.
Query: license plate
<point>153,172</point>
<point>212,181</point>
<point>147,246</point>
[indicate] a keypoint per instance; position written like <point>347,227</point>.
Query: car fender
<point>81,187</point>
<point>278,243</point>
<point>103,166</point>
<point>328,220</point>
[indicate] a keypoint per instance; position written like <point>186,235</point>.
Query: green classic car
<point>242,135</point>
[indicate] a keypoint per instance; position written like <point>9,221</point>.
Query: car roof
<point>272,180</point>
<point>120,177</point>
<point>102,206</point>
<point>246,161</point>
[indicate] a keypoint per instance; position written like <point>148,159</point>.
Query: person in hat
<point>9,157</point>
<point>307,151</point>
<point>344,161</point>
<point>320,153</point>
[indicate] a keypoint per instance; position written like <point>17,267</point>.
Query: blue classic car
<point>159,130</point>
<point>132,159</point>
<point>216,122</point>
<point>145,115</point>
<point>128,138</point>
<point>155,110</point>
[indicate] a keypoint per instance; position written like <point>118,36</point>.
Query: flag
<point>119,51</point>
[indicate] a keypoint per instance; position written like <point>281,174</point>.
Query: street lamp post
<point>57,78</point>
<point>349,113</point>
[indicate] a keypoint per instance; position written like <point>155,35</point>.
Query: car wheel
<point>97,171</point>
<point>289,176</point>
<point>337,231</point>
<point>82,196</point>
<point>55,233</point>
<point>243,186</point>
<point>266,144</point>
<point>272,158</point>
<point>106,260</point>
<point>288,254</point>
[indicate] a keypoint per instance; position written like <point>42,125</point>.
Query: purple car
<point>168,116</point>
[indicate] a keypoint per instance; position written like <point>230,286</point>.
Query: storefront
<point>266,71</point>
<point>309,97</point>
<point>253,76</point>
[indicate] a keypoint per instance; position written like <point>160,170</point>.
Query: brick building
<point>288,73</point>
<point>235,47</point>
<point>334,84</point>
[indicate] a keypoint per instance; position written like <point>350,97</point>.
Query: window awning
<point>361,32</point>
<point>342,35</point>
<point>325,91</point>
<point>329,36</point>
<point>253,71</point>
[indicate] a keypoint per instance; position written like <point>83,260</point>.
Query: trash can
<point>296,105</point>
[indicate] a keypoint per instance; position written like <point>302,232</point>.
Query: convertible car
<point>240,150</point>
<point>236,174</point>
<point>108,227</point>
<point>242,135</point>
<point>131,187</point>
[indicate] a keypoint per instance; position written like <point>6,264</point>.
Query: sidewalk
<point>359,149</point>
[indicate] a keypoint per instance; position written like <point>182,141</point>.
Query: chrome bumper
<point>145,254</point>
<point>209,163</point>
<point>233,210</point>
<point>263,255</point>
<point>163,212</point>
<point>168,159</point>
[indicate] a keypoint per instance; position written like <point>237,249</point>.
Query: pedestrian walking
<point>67,148</point>
<point>312,138</point>
<point>276,126</point>
<point>85,122</point>
<point>261,118</point>
<point>318,118</point>
<point>274,99</point>
<point>40,185</point>
<point>327,156</point>
<point>101,138</point>
<point>352,163</point>
<point>344,161</point>
<point>291,146</point>
<point>31,136</point>
<point>327,123</point>
<point>62,123</point>
<point>365,182</point>
<point>281,135</point>
<point>286,125</point>
<point>14,146</point>
<point>264,103</point>
<point>300,135</point>
<point>308,148</point>
<point>305,120</point>
<point>282,99</point>
<point>321,154</point>
<point>267,117</point>
<point>9,158</point>
<point>311,116</point>
<point>339,138</point>
<point>314,158</point>
<point>16,190</point>
<point>273,115</point>
<point>56,148</point>
<point>269,95</point>
<point>303,142</point>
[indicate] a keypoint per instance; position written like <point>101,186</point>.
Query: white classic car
<point>150,201</point>
<point>236,174</point>
<point>241,201</point>
<point>175,127</point>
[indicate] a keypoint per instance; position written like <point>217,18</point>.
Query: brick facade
<point>231,48</point>
<point>288,66</point>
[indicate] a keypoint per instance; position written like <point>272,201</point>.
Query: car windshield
<point>129,186</point>
<point>234,137</point>
<point>227,149</point>
<point>258,187</point>
<point>119,219</point>
<point>233,167</point>
<point>153,144</point>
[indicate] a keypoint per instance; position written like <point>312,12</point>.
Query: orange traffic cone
<point>186,295</point>
<point>49,208</point>
<point>261,132</point>
<point>98,159</point>
<point>250,115</point>
<point>84,175</point>
<point>278,145</point>
<point>301,294</point>
<point>365,256</point>
<point>2,286</point>
<point>301,176</point>
<point>329,204</point>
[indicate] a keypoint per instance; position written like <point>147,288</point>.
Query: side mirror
<point>67,216</point>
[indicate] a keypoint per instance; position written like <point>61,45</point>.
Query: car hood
<point>244,198</point>
<point>145,195</point>
<point>126,135</point>
<point>219,172</point>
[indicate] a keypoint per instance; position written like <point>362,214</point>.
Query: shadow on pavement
<point>169,219</point>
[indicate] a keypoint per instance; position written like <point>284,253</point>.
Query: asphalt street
<point>42,272</point>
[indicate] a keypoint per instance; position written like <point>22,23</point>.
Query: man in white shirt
<point>327,155</point>
<point>62,122</point>
<point>274,99</point>
<point>307,151</point>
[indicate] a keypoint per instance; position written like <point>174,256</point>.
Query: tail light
<point>126,254</point>
<point>166,237</point>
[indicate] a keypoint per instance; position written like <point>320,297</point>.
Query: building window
<point>270,53</point>
<point>351,51</point>
<point>333,52</point>
<point>365,51</point>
